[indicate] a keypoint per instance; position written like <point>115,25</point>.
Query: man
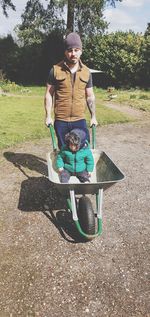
<point>70,87</point>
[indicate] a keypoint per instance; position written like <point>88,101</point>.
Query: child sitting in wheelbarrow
<point>75,157</point>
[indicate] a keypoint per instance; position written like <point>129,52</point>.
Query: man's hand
<point>93,121</point>
<point>48,121</point>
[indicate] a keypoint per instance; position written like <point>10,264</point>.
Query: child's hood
<point>82,135</point>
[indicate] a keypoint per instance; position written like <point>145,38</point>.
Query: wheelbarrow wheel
<point>86,215</point>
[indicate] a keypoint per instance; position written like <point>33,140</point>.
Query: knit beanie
<point>73,41</point>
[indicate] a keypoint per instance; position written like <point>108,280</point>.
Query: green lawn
<point>136,98</point>
<point>22,116</point>
<point>139,99</point>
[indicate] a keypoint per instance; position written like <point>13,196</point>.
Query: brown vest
<point>70,101</point>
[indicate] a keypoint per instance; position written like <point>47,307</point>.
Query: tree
<point>117,54</point>
<point>8,57</point>
<point>86,17</point>
<point>38,22</point>
<point>82,16</point>
<point>31,29</point>
<point>144,67</point>
<point>6,4</point>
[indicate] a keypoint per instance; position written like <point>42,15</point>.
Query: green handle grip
<point>93,136</point>
<point>52,132</point>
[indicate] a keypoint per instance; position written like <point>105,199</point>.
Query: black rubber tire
<point>86,215</point>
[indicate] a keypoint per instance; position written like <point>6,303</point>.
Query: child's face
<point>73,147</point>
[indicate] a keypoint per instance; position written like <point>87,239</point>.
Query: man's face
<point>73,55</point>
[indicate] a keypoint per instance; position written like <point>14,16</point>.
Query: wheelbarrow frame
<point>71,190</point>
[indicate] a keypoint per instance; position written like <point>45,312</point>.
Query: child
<point>75,158</point>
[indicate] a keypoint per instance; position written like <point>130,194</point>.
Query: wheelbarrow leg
<point>73,205</point>
<point>99,201</point>
<point>73,208</point>
<point>75,216</point>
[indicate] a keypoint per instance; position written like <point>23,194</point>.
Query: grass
<point>108,116</point>
<point>34,90</point>
<point>21,119</point>
<point>136,98</point>
<point>13,88</point>
<point>22,116</point>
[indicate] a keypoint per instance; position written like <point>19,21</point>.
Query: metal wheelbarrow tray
<point>104,175</point>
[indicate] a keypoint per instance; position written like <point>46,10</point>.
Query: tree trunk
<point>70,16</point>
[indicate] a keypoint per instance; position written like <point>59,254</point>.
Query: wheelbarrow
<point>105,174</point>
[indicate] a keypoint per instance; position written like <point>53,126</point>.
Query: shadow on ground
<point>28,161</point>
<point>39,194</point>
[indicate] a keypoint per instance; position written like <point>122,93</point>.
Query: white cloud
<point>118,19</point>
<point>133,15</point>
<point>133,3</point>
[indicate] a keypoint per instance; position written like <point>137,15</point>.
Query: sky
<point>128,15</point>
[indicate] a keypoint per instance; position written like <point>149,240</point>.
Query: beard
<point>72,61</point>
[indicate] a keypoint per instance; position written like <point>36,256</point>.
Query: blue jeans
<point>64,127</point>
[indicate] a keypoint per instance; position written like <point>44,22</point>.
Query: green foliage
<point>122,56</point>
<point>38,22</point>
<point>144,63</point>
<point>132,96</point>
<point>9,52</point>
<point>144,97</point>
<point>8,86</point>
<point>136,98</point>
<point>82,16</point>
<point>31,29</point>
<point>117,54</point>
<point>30,64</point>
<point>29,35</point>
<point>88,17</point>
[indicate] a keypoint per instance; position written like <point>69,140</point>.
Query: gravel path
<point>46,270</point>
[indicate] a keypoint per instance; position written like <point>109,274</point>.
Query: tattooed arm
<point>90,99</point>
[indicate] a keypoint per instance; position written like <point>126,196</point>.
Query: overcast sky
<point>128,15</point>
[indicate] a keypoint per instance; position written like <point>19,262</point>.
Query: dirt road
<point>46,271</point>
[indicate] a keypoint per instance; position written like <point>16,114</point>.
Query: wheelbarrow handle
<point>93,136</point>
<point>52,132</point>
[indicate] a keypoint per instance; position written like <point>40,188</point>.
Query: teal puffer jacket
<point>75,161</point>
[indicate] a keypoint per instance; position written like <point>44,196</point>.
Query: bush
<point>8,86</point>
<point>145,97</point>
<point>132,96</point>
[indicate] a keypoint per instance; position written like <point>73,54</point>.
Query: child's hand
<point>89,174</point>
<point>60,170</point>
